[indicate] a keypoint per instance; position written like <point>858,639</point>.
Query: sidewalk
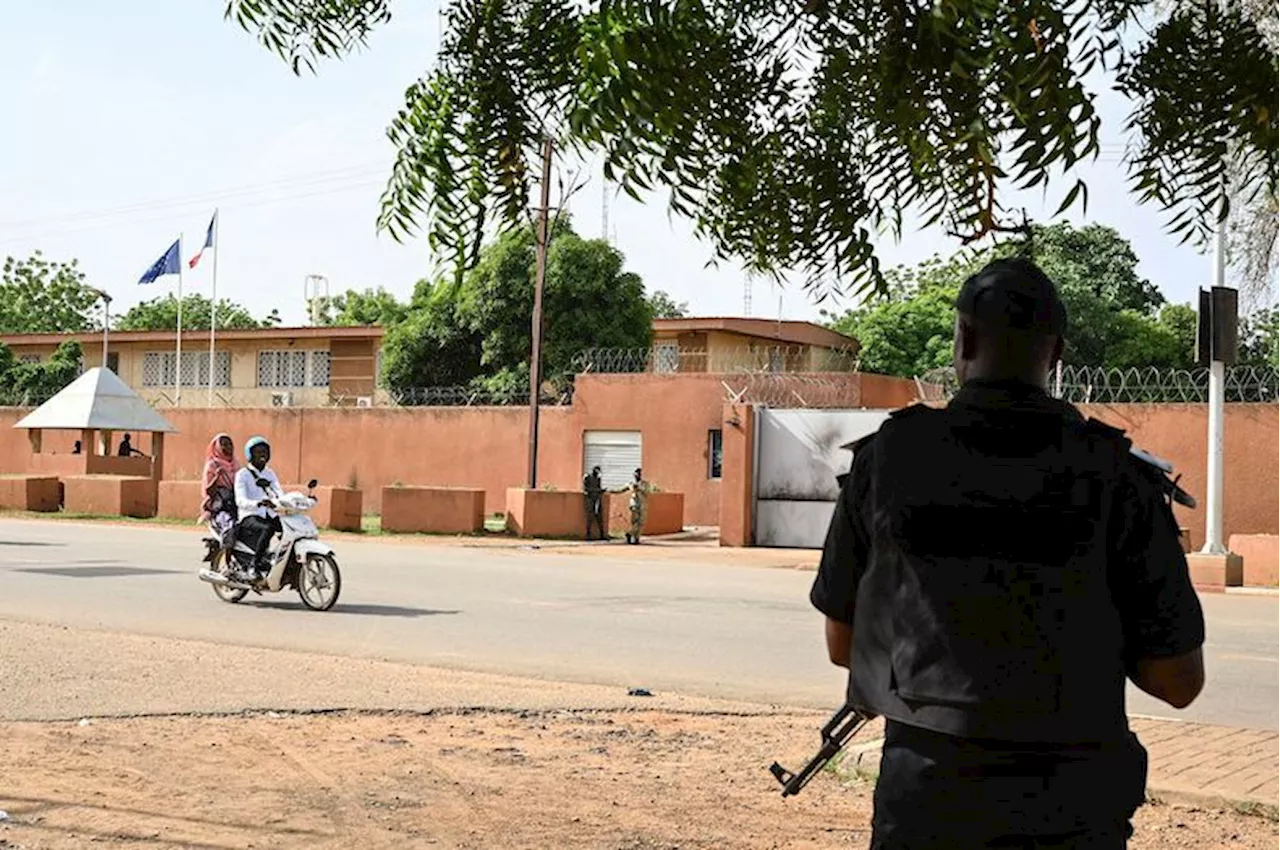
<point>1191,763</point>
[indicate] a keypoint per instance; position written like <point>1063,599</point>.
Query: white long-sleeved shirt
<point>249,494</point>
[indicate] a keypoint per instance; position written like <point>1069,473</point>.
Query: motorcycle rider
<point>259,522</point>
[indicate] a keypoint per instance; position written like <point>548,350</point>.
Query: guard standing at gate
<point>593,502</point>
<point>993,573</point>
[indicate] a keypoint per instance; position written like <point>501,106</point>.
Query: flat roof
<point>789,331</point>
<point>92,337</point>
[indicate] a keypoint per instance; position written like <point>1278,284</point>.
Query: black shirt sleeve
<point>1150,581</point>
<point>844,555</point>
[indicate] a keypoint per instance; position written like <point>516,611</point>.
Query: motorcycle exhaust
<point>214,577</point>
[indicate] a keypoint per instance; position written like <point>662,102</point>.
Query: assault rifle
<point>1167,484</point>
<point>842,726</point>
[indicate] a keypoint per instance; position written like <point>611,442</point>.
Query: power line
<point>299,181</point>
<point>154,216</point>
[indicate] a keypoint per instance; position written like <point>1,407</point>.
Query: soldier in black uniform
<point>592,502</point>
<point>993,573</point>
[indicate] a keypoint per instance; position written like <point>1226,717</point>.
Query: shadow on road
<point>28,543</point>
<point>366,610</point>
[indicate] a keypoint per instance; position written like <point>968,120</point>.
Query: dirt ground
<point>637,780</point>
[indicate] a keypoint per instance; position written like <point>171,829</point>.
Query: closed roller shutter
<point>617,453</point>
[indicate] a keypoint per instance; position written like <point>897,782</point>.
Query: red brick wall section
<point>435,510</point>
<point>546,513</point>
<point>1261,554</point>
<point>664,515</point>
<point>881,392</point>
<point>28,493</point>
<point>738,464</point>
<point>487,448</point>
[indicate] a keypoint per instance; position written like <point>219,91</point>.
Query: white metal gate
<point>617,453</point>
<point>798,456</point>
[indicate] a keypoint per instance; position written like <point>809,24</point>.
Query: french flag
<point>208,241</point>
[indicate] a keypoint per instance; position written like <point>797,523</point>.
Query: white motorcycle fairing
<point>299,536</point>
<point>302,547</point>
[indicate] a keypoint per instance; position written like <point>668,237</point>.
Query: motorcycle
<point>298,559</point>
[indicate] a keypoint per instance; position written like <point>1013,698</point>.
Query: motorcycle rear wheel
<point>222,591</point>
<point>319,582</point>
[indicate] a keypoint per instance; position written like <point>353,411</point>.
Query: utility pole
<point>106,323</point>
<point>535,359</point>
<point>1213,542</point>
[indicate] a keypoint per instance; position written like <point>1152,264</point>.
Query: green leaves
<point>478,331</point>
<point>304,31</point>
<point>1115,317</point>
<point>45,296</point>
<point>794,135</point>
<point>24,384</point>
<point>161,314</point>
<point>663,306</point>
<point>355,307</point>
<point>1205,88</point>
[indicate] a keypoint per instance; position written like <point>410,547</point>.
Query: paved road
<point>668,625</point>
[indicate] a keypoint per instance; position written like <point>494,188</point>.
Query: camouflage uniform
<point>639,509</point>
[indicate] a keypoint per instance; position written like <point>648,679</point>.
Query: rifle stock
<point>842,726</point>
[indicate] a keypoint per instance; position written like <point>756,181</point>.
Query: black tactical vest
<point>984,610</point>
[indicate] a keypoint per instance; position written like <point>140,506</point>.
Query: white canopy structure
<point>96,401</point>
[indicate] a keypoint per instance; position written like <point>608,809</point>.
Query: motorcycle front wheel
<point>319,582</point>
<point>222,591</point>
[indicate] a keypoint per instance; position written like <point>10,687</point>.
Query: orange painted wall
<point>485,448</point>
<point>1178,433</point>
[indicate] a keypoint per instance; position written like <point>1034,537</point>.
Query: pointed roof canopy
<point>98,401</point>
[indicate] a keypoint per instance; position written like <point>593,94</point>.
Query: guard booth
<point>97,410</point>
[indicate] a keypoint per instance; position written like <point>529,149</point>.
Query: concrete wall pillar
<point>737,470</point>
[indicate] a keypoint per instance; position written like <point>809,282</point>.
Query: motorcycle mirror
<point>311,485</point>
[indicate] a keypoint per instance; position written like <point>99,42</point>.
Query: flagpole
<point>213,305</point>
<point>177,372</point>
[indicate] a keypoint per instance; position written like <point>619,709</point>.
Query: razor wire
<point>672,360</point>
<point>794,390</point>
<point>1149,385</point>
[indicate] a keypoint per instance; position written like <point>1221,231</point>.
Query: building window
<point>666,356</point>
<point>293,369</point>
<point>715,452</point>
<point>319,369</point>
<point>158,368</point>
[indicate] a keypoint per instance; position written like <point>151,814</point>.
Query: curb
<point>863,763</point>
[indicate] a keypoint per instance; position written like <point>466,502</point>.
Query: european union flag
<point>170,263</point>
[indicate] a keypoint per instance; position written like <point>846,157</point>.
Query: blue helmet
<point>255,441</point>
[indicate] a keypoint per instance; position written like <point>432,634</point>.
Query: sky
<point>122,131</point>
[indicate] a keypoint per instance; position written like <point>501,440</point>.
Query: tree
<point>368,307</point>
<point>1260,339</point>
<point>478,331</point>
<point>161,314</point>
<point>1115,317</point>
<point>45,296</point>
<point>791,133</point>
<point>431,346</point>
<point>35,383</point>
<point>663,306</point>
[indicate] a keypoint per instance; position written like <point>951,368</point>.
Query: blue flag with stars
<point>170,263</point>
